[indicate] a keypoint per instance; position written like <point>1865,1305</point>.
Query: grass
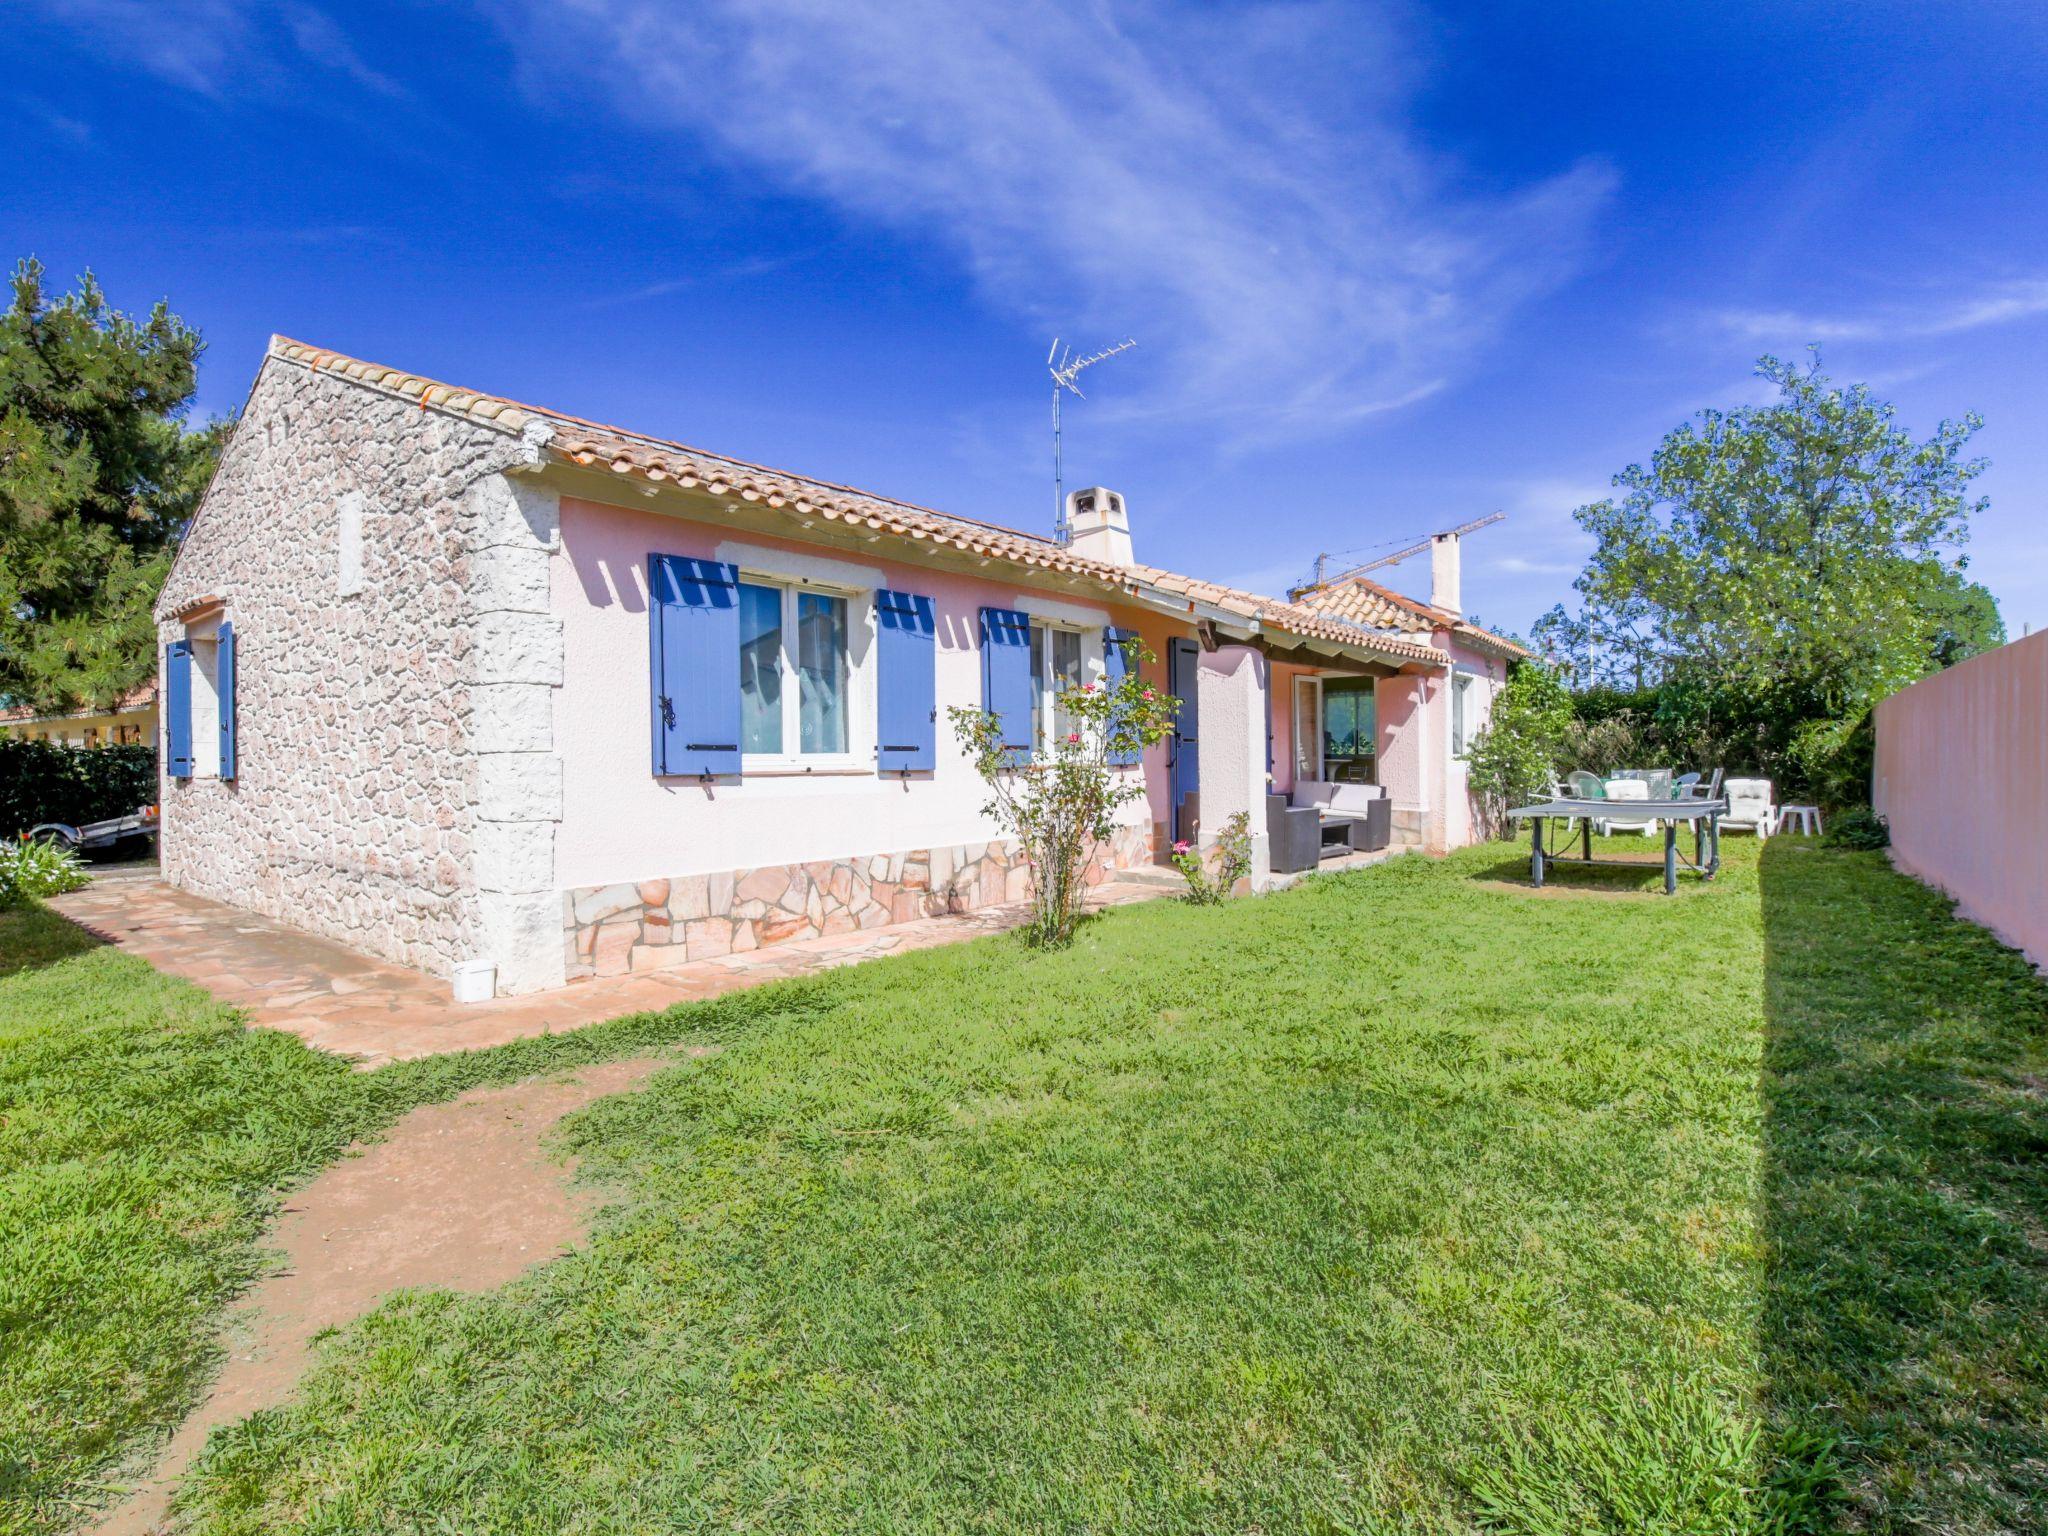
<point>1406,1201</point>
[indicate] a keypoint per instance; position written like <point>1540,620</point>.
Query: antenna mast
<point>1065,368</point>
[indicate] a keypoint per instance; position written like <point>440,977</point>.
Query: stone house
<point>451,680</point>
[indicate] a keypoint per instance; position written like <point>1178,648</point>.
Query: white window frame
<point>1308,685</point>
<point>1093,668</point>
<point>1462,685</point>
<point>859,756</point>
<point>204,697</point>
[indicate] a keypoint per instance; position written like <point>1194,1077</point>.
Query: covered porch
<point>1327,750</point>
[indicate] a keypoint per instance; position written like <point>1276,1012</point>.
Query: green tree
<point>98,475</point>
<point>1520,752</point>
<point>1808,541</point>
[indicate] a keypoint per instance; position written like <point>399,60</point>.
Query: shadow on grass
<point>1639,870</point>
<point>32,937</point>
<point>1905,1204</point>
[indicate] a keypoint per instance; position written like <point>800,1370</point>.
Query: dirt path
<point>460,1195</point>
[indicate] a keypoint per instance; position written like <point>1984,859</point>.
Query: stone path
<point>344,1002</point>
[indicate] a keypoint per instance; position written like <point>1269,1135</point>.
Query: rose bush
<point>1061,803</point>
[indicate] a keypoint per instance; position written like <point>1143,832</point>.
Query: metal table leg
<point>1536,852</point>
<point>1670,857</point>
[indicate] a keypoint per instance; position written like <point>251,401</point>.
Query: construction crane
<point>1397,556</point>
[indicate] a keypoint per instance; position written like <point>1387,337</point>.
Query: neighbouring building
<point>452,679</point>
<point>131,722</point>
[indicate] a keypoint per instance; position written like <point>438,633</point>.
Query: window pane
<point>1038,685</point>
<point>821,671</point>
<point>1066,658</point>
<point>760,668</point>
<point>1340,724</point>
<point>1306,730</point>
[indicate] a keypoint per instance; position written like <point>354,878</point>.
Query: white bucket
<point>476,981</point>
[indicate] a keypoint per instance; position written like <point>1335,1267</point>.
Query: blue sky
<point>1389,267</point>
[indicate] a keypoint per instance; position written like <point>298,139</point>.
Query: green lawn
<point>1406,1201</point>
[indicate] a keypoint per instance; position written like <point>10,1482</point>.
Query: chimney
<point>1443,574</point>
<point>1098,527</point>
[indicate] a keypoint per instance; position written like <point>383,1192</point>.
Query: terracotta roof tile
<point>1368,603</point>
<point>593,444</point>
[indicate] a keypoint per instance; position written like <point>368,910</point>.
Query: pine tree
<point>99,473</point>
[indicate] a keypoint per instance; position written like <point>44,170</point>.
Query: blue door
<point>1183,757</point>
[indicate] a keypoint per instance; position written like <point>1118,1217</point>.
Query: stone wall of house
<point>354,812</point>
<point>612,929</point>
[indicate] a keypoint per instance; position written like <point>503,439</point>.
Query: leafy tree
<point>98,476</point>
<point>1808,539</point>
<point>1518,754</point>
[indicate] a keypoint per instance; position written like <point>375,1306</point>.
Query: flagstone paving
<point>347,1003</point>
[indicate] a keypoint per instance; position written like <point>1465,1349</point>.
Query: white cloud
<point>187,42</point>
<point>2000,304</point>
<point>217,47</point>
<point>1240,190</point>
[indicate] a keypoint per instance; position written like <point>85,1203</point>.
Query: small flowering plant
<point>1233,859</point>
<point>1061,803</point>
<point>30,869</point>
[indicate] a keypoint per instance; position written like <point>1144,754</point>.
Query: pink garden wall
<point>1962,775</point>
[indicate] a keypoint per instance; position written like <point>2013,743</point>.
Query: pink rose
<point>1087,687</point>
<point>1073,738</point>
<point>1180,847</point>
<point>1148,694</point>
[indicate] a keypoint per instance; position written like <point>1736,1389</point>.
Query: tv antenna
<point>1065,369</point>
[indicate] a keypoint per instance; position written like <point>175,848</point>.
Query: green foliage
<point>1061,806</point>
<point>37,869</point>
<point>1859,827</point>
<point>98,475</point>
<point>41,781</point>
<point>1232,857</point>
<point>1521,751</point>
<point>1150,1233</point>
<point>1772,574</point>
<point>1657,1456</point>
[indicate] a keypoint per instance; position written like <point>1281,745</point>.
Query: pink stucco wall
<point>1962,775</point>
<point>621,823</point>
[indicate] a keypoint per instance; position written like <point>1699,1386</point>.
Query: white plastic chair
<point>1749,806</point>
<point>1628,789</point>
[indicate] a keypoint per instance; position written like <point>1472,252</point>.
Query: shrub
<point>1859,827</point>
<point>1061,804</point>
<point>1233,853</point>
<point>1516,756</point>
<point>37,869</point>
<point>41,782</point>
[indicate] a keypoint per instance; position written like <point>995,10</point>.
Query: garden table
<point>1704,816</point>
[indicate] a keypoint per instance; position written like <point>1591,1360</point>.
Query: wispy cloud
<point>1999,304</point>
<point>322,41</point>
<point>214,47</point>
<point>1240,189</point>
<point>187,42</point>
<point>62,124</point>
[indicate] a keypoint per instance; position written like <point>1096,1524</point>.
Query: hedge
<point>43,782</point>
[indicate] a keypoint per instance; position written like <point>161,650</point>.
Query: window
<point>794,697</point>
<point>1461,712</point>
<point>1055,667</point>
<point>1350,730</point>
<point>1308,729</point>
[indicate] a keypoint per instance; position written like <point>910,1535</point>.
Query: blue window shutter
<point>178,708</point>
<point>1006,676</point>
<point>1117,663</point>
<point>906,714</point>
<point>693,635</point>
<point>225,673</point>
